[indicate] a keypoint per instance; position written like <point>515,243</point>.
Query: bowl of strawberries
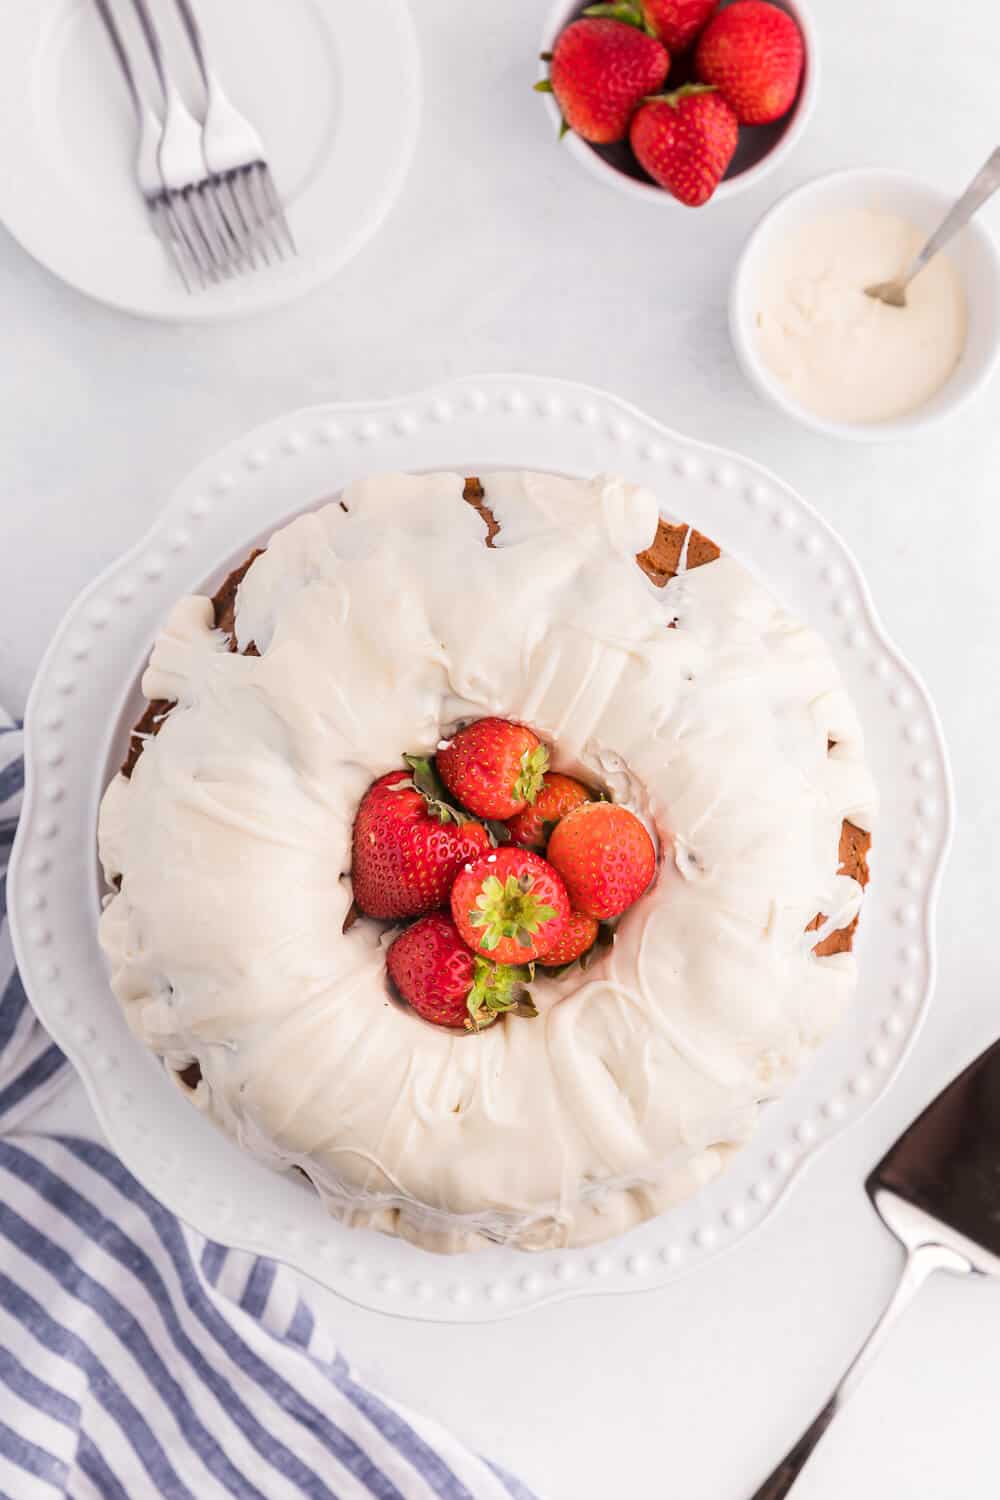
<point>680,101</point>
<point>485,866</point>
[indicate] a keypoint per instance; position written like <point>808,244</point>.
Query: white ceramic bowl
<point>761,148</point>
<point>974,254</point>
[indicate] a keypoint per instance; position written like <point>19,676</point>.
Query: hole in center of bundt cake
<point>498,869</point>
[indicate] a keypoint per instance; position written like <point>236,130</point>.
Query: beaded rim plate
<point>86,696</point>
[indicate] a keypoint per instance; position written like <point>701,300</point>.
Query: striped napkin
<point>139,1359</point>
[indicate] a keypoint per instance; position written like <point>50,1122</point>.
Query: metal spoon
<point>982,186</point>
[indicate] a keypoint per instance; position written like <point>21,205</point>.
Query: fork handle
<point>982,186</point>
<point>118,45</point>
<point>154,44</point>
<point>196,38</point>
<point>920,1262</point>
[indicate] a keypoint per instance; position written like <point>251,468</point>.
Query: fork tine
<point>262,208</point>
<point>235,214</point>
<point>275,205</point>
<point>250,209</point>
<point>173,250</point>
<point>229,222</point>
<point>193,241</point>
<point>185,231</point>
<point>227,248</point>
<point>179,249</point>
<point>217,248</point>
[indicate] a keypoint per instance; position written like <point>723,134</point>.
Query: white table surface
<point>501,254</point>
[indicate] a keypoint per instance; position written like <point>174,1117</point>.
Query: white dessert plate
<point>86,697</point>
<point>312,75</point>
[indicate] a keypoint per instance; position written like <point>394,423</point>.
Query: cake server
<point>938,1190</point>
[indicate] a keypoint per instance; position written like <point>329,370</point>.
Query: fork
<point>234,152</point>
<point>162,212</point>
<point>212,241</point>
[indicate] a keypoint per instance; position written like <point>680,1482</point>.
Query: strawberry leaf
<point>534,764</point>
<point>508,909</point>
<point>425,777</point>
<point>624,11</point>
<point>428,783</point>
<point>496,989</point>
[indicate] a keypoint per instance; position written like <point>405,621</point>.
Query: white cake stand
<point>86,697</point>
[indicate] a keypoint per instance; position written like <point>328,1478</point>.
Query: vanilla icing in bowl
<point>842,355</point>
<point>379,629</point>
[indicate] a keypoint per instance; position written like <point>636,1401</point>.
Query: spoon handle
<point>982,186</point>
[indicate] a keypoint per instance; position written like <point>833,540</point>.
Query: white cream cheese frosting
<point>846,356</point>
<point>380,627</point>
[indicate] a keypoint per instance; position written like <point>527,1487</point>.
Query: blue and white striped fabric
<point>138,1359</point>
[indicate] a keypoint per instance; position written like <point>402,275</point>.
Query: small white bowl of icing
<point>814,345</point>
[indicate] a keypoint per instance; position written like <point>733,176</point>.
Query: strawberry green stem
<point>509,910</point>
<point>687,91</point>
<point>534,764</point>
<point>497,988</point>
<point>624,11</point>
<point>428,783</point>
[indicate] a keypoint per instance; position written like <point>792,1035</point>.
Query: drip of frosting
<point>380,627</point>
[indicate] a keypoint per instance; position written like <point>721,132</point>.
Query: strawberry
<point>675,23</point>
<point>605,857</point>
<point>559,794</point>
<point>434,972</point>
<point>753,52</point>
<point>599,72</point>
<point>579,935</point>
<point>685,141</point>
<point>407,850</point>
<point>510,905</point>
<point>493,767</point>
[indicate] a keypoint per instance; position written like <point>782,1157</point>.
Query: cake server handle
<point>920,1262</point>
